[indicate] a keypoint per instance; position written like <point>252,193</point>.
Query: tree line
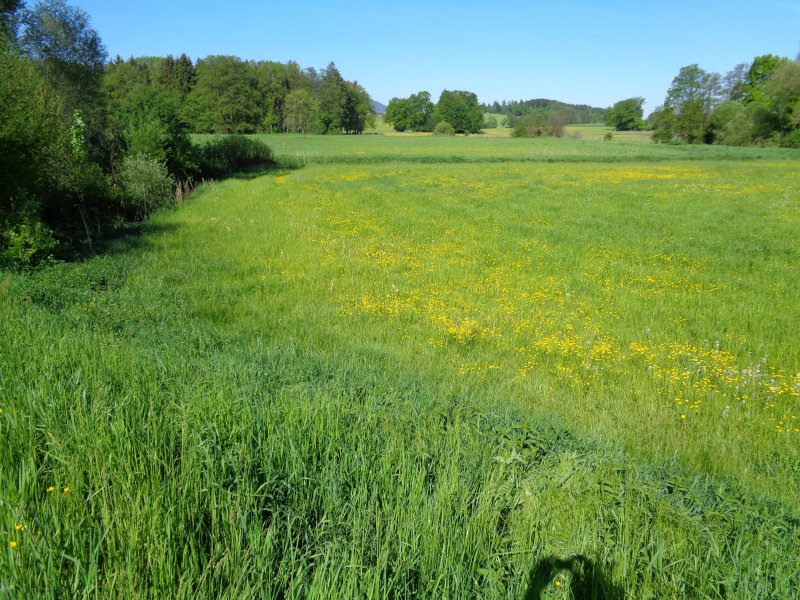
<point>456,110</point>
<point>461,111</point>
<point>548,110</point>
<point>753,104</point>
<point>225,94</point>
<point>87,143</point>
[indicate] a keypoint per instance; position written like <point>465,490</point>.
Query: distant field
<point>421,148</point>
<point>593,131</point>
<point>598,131</point>
<point>420,367</point>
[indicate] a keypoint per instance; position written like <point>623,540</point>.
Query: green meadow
<point>419,367</point>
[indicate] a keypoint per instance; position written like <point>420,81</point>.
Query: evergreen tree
<point>332,100</point>
<point>184,76</point>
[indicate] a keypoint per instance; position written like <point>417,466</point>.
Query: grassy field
<point>418,367</point>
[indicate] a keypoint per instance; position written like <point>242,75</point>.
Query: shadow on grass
<point>261,170</point>
<point>130,236</point>
<point>133,234</point>
<point>584,580</point>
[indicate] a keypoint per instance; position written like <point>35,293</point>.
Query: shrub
<point>28,243</point>
<point>608,136</point>
<point>444,128</point>
<point>791,139</point>
<point>24,239</point>
<point>532,125</point>
<point>225,155</point>
<point>145,183</point>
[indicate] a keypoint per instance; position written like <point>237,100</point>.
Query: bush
<point>490,122</point>
<point>24,239</point>
<point>27,242</point>
<point>145,183</point>
<point>148,122</point>
<point>608,136</point>
<point>233,153</point>
<point>444,128</point>
<point>532,125</point>
<point>791,139</point>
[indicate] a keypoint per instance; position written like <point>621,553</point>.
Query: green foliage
<point>537,124</point>
<point>358,112</point>
<point>489,122</point>
<point>461,110</point>
<point>730,123</point>
<point>179,75</point>
<point>71,57</point>
<point>687,107</point>
<point>48,186</point>
<point>224,94</point>
<point>7,22</point>
<point>225,98</point>
<point>231,153</point>
<point>414,113</point>
<point>34,133</point>
<point>572,113</point>
<point>782,91</point>
<point>608,136</point>
<point>762,105</point>
<point>443,128</point>
<point>300,110</point>
<point>149,123</point>
<point>626,115</point>
<point>24,240</point>
<point>145,182</point>
<point>332,101</point>
<point>757,76</point>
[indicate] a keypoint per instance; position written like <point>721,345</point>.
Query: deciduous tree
<point>358,111</point>
<point>413,113</point>
<point>300,110</point>
<point>757,76</point>
<point>461,110</point>
<point>626,115</point>
<point>225,97</point>
<point>71,57</point>
<point>690,99</point>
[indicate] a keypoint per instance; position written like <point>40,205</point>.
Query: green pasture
<point>419,367</point>
<point>299,151</point>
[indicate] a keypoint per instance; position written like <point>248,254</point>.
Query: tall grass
<point>211,409</point>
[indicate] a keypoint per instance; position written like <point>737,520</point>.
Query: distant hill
<point>378,107</point>
<point>572,113</point>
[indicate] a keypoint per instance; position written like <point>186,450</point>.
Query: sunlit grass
<point>437,374</point>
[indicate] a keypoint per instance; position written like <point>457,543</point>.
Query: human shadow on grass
<point>584,580</point>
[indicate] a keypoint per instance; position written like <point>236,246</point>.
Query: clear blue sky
<point>575,51</point>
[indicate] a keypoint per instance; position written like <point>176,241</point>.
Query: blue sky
<point>571,50</point>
